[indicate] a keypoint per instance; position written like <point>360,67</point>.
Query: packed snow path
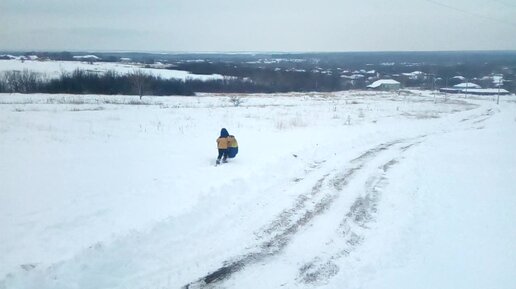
<point>359,190</point>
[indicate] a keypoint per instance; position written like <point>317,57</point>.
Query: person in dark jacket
<point>222,146</point>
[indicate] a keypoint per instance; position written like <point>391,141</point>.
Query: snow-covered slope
<point>343,190</point>
<point>53,69</point>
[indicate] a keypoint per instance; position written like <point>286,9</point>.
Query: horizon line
<point>243,52</point>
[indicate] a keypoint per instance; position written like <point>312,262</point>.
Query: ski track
<point>350,232</point>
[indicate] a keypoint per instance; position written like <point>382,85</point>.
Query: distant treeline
<point>83,82</point>
<point>140,83</point>
<point>111,83</point>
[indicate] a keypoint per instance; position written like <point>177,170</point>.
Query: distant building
<point>476,91</point>
<point>353,76</point>
<point>415,75</point>
<point>497,80</point>
<point>385,84</point>
<point>467,85</point>
<point>488,91</point>
<point>459,77</point>
<point>88,58</point>
<point>472,88</point>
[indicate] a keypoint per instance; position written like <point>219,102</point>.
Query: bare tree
<point>29,81</point>
<point>21,81</point>
<point>139,79</point>
<point>236,100</point>
<point>12,81</point>
<point>3,82</point>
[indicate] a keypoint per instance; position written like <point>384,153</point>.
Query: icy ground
<point>344,190</point>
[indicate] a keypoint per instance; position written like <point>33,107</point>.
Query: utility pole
<point>466,90</point>
<point>446,86</point>
<point>433,87</point>
<point>498,95</point>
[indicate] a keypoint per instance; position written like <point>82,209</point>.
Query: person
<point>222,146</point>
<point>232,146</point>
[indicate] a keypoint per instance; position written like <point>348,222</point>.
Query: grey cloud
<point>303,25</point>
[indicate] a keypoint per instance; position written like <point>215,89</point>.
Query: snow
<point>87,57</point>
<point>353,76</point>
<point>329,190</point>
<point>414,73</point>
<point>465,226</point>
<point>382,81</point>
<point>8,56</point>
<point>54,69</point>
<point>467,85</point>
<point>477,91</point>
<point>498,80</point>
<point>487,91</point>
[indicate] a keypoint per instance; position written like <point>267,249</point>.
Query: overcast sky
<point>259,25</point>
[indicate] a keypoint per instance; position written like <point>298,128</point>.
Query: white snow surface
<point>53,69</point>
<point>340,190</point>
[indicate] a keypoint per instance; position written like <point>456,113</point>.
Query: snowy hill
<point>341,190</point>
<point>54,69</point>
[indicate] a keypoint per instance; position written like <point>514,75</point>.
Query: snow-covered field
<point>53,69</point>
<point>341,190</point>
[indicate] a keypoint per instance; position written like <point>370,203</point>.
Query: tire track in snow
<point>480,118</point>
<point>283,228</point>
<point>350,232</point>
